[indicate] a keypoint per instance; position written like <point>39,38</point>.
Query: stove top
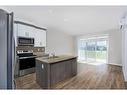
<point>24,51</point>
<point>25,54</point>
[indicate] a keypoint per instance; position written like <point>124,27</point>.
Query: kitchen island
<point>52,70</point>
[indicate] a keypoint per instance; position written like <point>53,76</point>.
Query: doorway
<point>93,50</point>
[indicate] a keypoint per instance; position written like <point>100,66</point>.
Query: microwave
<point>24,41</point>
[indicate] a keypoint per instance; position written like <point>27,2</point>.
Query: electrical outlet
<point>42,66</point>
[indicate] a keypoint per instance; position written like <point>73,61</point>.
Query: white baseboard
<point>115,64</point>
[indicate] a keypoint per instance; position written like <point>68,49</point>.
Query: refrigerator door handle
<point>14,65</point>
<point>14,51</point>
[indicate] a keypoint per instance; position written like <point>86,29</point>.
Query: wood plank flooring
<point>88,77</point>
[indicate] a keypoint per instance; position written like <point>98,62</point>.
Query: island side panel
<point>63,70</point>
<point>43,74</point>
<point>58,72</point>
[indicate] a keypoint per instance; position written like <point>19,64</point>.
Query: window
<point>93,50</point>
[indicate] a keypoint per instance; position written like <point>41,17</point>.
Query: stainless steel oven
<point>26,63</point>
<point>24,41</point>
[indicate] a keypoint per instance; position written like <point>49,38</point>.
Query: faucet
<point>53,54</point>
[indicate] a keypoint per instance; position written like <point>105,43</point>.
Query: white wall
<point>115,45</point>
<point>59,42</point>
<point>124,54</point>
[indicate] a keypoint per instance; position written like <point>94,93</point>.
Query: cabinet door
<point>26,31</point>
<point>23,30</point>
<point>32,31</point>
<point>62,70</point>
<point>40,38</point>
<point>74,67</point>
<point>37,38</point>
<point>58,73</point>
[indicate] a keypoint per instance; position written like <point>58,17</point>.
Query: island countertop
<point>56,59</point>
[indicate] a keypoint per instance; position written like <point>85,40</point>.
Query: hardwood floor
<point>88,77</point>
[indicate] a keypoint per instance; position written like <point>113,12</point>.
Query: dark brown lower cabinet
<point>49,74</point>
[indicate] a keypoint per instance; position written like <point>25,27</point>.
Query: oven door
<point>26,66</point>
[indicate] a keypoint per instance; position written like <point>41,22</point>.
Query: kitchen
<point>31,45</point>
<point>54,47</point>
<point>31,62</point>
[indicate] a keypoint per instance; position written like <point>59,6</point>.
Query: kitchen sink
<point>53,57</point>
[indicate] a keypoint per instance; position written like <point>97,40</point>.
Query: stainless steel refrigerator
<point>7,50</point>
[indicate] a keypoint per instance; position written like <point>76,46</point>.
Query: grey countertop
<point>57,59</point>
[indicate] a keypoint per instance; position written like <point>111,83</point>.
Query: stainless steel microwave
<point>24,41</point>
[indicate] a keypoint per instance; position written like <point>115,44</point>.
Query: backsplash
<point>35,49</point>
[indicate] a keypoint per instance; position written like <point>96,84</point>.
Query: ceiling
<point>74,20</point>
